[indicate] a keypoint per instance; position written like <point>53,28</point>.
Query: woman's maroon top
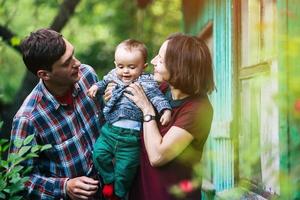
<point>194,114</point>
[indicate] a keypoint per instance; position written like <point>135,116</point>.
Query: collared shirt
<point>71,134</point>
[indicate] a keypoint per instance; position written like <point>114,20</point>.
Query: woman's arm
<point>160,149</point>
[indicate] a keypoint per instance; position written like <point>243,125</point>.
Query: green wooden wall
<point>218,12</point>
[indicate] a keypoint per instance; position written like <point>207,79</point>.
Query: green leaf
<point>4,164</point>
<point>17,168</point>
<point>5,147</point>
<point>18,142</point>
<point>16,198</point>
<point>2,184</point>
<point>24,150</point>
<point>13,188</point>
<point>45,147</point>
<point>20,159</point>
<point>2,196</point>
<point>28,169</point>
<point>35,148</point>
<point>12,157</point>
<point>15,179</point>
<point>3,141</point>
<point>31,155</point>
<point>28,139</point>
<point>24,179</point>
<point>15,41</point>
<point>1,124</point>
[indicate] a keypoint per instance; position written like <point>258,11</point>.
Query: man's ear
<point>145,65</point>
<point>43,74</point>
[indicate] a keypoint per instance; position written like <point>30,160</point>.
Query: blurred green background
<point>94,27</point>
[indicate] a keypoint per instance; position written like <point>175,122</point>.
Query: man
<point>58,112</point>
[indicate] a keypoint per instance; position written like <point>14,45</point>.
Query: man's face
<point>129,64</point>
<point>65,71</point>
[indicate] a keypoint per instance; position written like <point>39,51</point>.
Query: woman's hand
<point>136,93</point>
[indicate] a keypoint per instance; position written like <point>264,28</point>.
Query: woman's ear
<point>43,74</point>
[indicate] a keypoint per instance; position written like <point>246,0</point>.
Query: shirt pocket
<point>69,157</point>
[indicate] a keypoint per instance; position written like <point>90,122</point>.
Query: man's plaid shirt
<point>71,132</point>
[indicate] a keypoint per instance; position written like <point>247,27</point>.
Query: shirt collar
<point>51,99</point>
<point>48,96</point>
<point>175,103</point>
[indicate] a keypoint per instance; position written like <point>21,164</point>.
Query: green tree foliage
<point>12,174</point>
<point>94,29</point>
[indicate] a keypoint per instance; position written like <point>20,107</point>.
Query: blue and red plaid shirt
<point>71,131</point>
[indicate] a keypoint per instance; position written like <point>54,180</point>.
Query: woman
<point>184,67</point>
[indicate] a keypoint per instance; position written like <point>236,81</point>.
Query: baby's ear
<point>115,63</point>
<point>145,65</point>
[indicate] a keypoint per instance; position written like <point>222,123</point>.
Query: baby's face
<point>129,64</point>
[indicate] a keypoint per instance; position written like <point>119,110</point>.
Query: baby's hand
<point>108,91</point>
<point>165,117</point>
<point>92,91</point>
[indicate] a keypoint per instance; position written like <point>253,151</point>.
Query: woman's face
<point>160,71</point>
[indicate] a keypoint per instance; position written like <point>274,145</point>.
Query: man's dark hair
<point>41,49</point>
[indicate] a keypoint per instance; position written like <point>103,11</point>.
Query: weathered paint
<point>226,66</point>
<point>219,13</point>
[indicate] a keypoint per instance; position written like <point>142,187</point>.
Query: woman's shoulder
<point>196,110</point>
<point>202,104</point>
<point>195,116</point>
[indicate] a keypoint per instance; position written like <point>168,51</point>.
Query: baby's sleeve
<point>156,97</point>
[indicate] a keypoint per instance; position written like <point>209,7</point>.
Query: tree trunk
<point>66,10</point>
<point>7,35</point>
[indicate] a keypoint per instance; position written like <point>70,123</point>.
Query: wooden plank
<point>249,72</point>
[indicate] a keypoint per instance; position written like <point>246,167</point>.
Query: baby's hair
<point>132,44</point>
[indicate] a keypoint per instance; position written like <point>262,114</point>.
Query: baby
<point>120,135</point>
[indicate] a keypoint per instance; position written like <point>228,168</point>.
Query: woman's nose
<point>153,61</point>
